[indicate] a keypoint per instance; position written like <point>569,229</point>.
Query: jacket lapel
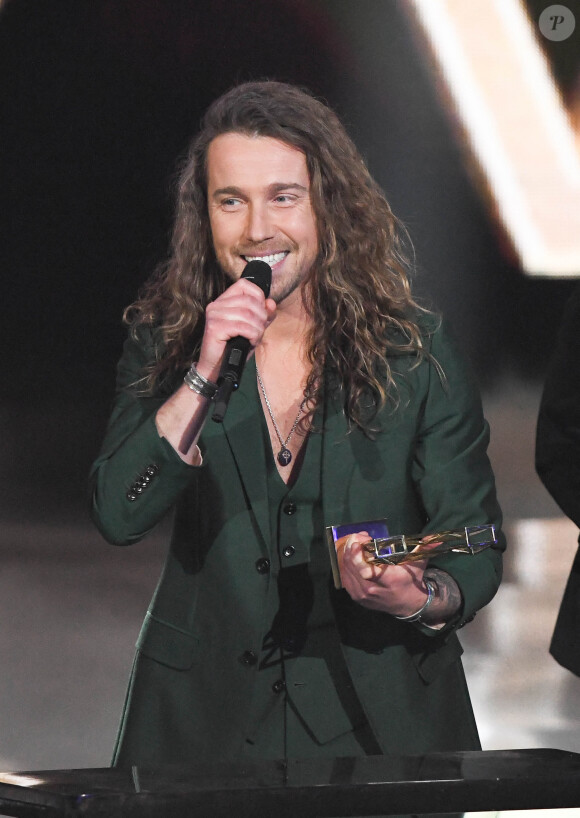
<point>337,462</point>
<point>242,427</point>
<point>355,472</point>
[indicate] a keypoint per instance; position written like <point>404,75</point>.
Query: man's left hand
<point>399,590</point>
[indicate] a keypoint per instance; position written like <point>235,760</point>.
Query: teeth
<point>274,258</point>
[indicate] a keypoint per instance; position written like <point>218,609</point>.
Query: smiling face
<point>259,207</point>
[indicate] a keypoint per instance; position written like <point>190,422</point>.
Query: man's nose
<point>259,225</point>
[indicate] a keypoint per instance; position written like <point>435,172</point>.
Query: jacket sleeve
<point>454,476</point>
<point>558,430</point>
<point>137,476</point>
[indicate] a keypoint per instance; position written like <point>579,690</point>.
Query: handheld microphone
<point>237,348</point>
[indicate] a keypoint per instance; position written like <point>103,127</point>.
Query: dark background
<point>99,98</point>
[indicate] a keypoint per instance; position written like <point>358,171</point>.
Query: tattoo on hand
<point>448,599</point>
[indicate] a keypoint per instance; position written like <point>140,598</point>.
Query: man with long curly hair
<point>354,406</point>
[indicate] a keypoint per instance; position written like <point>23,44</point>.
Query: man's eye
<point>283,198</point>
<point>229,203</point>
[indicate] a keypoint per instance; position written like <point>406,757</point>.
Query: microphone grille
<point>259,273</point>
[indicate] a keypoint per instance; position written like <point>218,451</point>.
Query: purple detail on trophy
<point>376,529</point>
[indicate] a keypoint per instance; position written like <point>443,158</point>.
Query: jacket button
<point>278,686</point>
<point>262,566</point>
<point>152,470</point>
<point>290,509</point>
<point>248,658</point>
<point>131,496</point>
<point>289,551</point>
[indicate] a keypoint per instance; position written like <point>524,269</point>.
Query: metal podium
<point>375,785</point>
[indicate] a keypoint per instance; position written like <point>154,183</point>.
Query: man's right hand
<point>241,310</point>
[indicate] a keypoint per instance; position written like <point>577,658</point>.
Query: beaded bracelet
<point>416,617</point>
<point>197,383</point>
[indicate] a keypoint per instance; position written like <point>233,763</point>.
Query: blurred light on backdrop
<point>500,92</point>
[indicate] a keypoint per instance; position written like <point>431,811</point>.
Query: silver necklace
<point>284,456</point>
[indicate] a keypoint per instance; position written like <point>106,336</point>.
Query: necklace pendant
<point>284,456</point>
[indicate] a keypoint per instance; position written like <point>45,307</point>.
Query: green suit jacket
<point>192,683</point>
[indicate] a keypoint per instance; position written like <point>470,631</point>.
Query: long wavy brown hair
<point>358,289</point>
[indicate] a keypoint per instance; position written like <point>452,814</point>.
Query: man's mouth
<point>271,259</point>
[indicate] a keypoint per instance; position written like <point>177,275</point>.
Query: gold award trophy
<point>401,548</point>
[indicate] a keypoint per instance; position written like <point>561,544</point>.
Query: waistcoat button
<point>290,509</point>
<point>262,565</point>
<point>289,551</point>
<point>278,686</point>
<point>248,658</point>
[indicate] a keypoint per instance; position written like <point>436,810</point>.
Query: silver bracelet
<point>197,383</point>
<point>416,617</point>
